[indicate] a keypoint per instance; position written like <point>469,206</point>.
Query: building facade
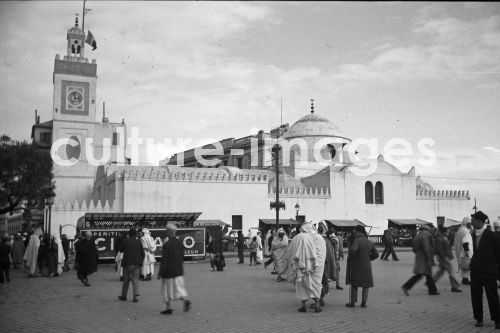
<point>318,174</point>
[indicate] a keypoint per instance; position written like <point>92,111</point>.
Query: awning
<point>130,220</point>
<point>209,223</point>
<point>281,222</point>
<point>345,223</point>
<point>451,223</point>
<point>406,222</point>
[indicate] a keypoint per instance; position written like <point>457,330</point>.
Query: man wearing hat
<point>483,269</point>
<point>424,260</point>
<point>172,271</point>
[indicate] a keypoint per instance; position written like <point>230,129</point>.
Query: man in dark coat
<point>483,270</point>
<point>86,258</point>
<point>359,269</point>
<point>241,247</point>
<point>133,256</point>
<point>171,271</point>
<point>388,241</point>
<point>423,246</point>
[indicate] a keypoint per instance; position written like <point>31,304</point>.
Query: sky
<point>214,70</point>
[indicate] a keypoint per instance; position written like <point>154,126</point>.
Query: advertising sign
<point>193,240</point>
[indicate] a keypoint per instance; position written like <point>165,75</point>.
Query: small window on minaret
<point>115,138</point>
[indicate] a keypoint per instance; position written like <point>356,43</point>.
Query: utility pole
<point>277,204</point>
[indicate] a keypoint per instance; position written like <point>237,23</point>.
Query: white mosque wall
<point>348,196</point>
<point>450,204</point>
<point>215,200</point>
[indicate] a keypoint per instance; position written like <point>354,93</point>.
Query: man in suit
<point>483,269</point>
<point>133,257</point>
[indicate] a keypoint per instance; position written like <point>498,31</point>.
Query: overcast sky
<point>215,70</point>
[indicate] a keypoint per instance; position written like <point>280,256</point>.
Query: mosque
<point>240,188</point>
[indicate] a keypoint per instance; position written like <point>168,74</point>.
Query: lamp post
<point>48,203</point>
<point>297,208</point>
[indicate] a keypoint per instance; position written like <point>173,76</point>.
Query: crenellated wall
<point>450,204</point>
<point>67,213</point>
<point>301,192</point>
<point>448,194</point>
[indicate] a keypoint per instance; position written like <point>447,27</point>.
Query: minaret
<point>75,80</point>
<point>74,116</point>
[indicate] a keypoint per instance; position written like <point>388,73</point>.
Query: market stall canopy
<point>210,223</point>
<point>263,222</point>
<point>451,223</point>
<point>137,220</point>
<point>406,223</point>
<point>345,224</point>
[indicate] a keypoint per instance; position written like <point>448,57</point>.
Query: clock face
<point>75,98</point>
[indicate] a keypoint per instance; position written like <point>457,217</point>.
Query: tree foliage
<point>25,176</point>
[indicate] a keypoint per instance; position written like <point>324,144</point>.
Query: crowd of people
<point>476,246</point>
<point>308,256</point>
<point>37,253</point>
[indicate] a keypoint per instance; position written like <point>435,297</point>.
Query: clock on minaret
<point>75,81</point>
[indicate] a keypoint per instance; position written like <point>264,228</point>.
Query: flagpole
<point>83,17</point>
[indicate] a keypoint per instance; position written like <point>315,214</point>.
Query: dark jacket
<point>171,265</point>
<point>388,238</point>
<point>133,252</point>
<point>4,253</point>
<point>443,248</point>
<point>86,256</point>
<point>359,267</point>
<point>423,246</point>
<point>486,257</point>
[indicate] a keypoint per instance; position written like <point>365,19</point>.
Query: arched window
<point>368,192</point>
<point>379,193</point>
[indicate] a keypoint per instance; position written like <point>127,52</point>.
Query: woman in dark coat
<point>86,258</point>
<point>359,268</point>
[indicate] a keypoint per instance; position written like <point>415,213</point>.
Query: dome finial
<point>312,105</point>
<point>76,20</point>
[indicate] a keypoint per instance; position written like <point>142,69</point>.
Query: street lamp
<point>297,208</point>
<point>48,203</point>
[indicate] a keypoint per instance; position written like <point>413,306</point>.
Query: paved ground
<point>240,299</point>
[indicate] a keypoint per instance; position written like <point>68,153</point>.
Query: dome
<point>313,125</point>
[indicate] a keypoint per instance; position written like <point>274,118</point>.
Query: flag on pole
<point>91,41</point>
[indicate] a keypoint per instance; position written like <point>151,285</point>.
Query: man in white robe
<point>31,254</point>
<point>260,254</point>
<point>464,249</point>
<point>61,258</point>
<point>149,245</point>
<point>309,252</point>
<point>278,249</point>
